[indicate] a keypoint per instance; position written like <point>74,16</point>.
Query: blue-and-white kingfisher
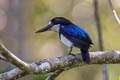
<point>70,35</point>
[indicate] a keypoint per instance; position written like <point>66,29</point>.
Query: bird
<point>70,35</point>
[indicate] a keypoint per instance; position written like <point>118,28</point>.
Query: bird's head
<point>55,24</point>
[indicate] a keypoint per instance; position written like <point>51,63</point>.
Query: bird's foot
<point>71,54</point>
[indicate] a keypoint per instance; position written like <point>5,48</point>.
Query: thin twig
<point>105,73</point>
<point>98,25</point>
<point>114,12</point>
<point>3,59</point>
<point>53,75</point>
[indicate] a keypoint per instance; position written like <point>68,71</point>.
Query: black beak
<point>44,29</point>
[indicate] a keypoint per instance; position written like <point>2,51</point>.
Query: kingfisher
<point>71,36</point>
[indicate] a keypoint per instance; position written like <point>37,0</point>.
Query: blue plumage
<point>75,31</point>
<point>78,36</point>
<point>71,35</point>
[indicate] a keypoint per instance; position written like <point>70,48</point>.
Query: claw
<point>71,54</point>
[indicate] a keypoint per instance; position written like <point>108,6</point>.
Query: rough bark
<point>51,65</point>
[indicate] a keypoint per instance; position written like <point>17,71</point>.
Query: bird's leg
<point>70,51</point>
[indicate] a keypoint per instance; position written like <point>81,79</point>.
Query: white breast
<point>56,28</point>
<point>66,41</point>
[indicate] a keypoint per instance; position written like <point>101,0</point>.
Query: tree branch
<point>65,63</point>
<point>114,12</point>
<point>54,64</point>
<point>13,59</point>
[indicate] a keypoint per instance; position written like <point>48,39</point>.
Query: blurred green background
<point>19,19</point>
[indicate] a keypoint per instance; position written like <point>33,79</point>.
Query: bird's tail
<point>85,56</point>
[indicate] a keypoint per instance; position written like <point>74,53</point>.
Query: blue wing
<point>78,36</point>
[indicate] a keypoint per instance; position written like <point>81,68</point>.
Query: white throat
<point>56,28</point>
